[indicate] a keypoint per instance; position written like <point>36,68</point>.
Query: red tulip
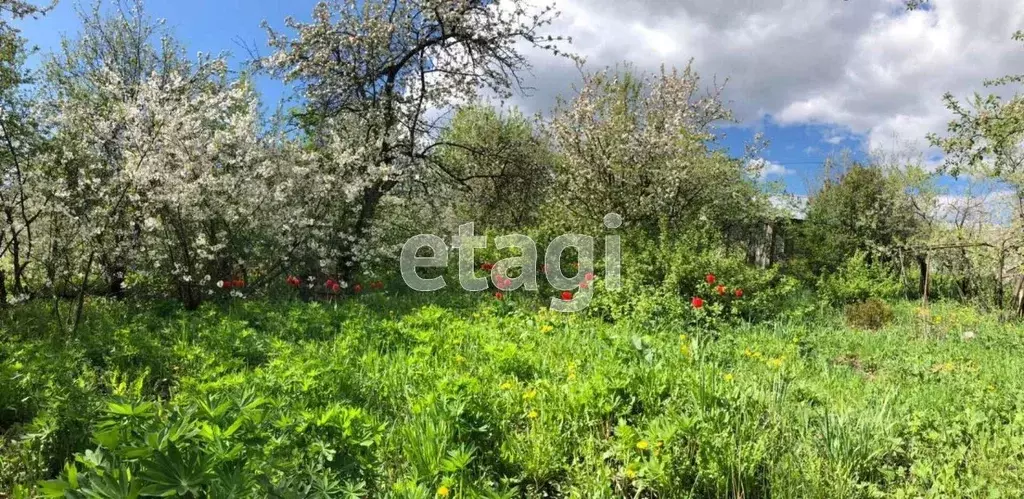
<point>293,281</point>
<point>739,293</point>
<point>710,278</point>
<point>336,288</point>
<point>238,284</point>
<point>228,284</point>
<point>358,288</point>
<point>499,296</point>
<point>589,276</point>
<point>584,285</point>
<point>487,266</point>
<point>698,302</point>
<point>721,290</point>
<point>567,295</point>
<point>330,284</point>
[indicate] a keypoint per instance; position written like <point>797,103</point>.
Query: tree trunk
<point>115,281</point>
<point>1018,297</point>
<point>3,289</point>
<point>922,263</point>
<point>1000,286</point>
<point>903,272</point>
<point>191,297</point>
<point>19,267</point>
<point>348,265</point>
<point>80,305</point>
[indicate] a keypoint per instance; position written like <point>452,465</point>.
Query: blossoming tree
<point>20,140</point>
<point>639,145</point>
<point>161,164</point>
<point>376,78</point>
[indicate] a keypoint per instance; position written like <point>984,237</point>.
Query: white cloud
<point>834,137</point>
<point>867,67</point>
<point>993,205</point>
<point>770,169</point>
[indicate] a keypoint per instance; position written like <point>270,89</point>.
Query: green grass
<point>398,396</point>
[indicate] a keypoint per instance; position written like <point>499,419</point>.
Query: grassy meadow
<point>211,211</point>
<point>388,395</point>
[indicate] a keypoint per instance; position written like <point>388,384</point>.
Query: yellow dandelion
<point>530,395</point>
<point>532,415</point>
<point>547,328</point>
<point>642,445</point>
<point>443,491</point>
<point>630,474</point>
<point>507,385</point>
<point>776,362</point>
<point>728,377</point>
<point>460,359</point>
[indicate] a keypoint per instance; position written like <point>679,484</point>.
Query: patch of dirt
<point>854,362</point>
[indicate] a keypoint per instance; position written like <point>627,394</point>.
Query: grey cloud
<point>866,66</point>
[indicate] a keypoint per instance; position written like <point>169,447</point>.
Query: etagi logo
<point>467,242</point>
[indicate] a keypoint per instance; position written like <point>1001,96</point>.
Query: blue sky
<point>816,77</point>
<point>209,26</point>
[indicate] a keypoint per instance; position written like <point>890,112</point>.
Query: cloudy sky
<point>816,76</point>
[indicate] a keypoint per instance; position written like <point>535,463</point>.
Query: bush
<point>858,280</point>
<point>661,276</point>
<point>873,314</point>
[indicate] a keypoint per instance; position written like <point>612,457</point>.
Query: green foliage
<point>857,280</point>
<point>872,314</point>
<point>408,396</point>
<point>863,211</point>
<point>662,276</point>
<point>643,146</point>
<point>500,166</point>
<point>984,138</point>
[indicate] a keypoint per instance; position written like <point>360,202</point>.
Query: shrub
<point>661,276</point>
<point>856,281</point>
<point>871,314</point>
